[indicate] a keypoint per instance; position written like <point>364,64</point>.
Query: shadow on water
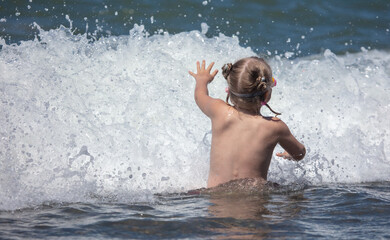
<point>253,216</point>
<point>246,209</point>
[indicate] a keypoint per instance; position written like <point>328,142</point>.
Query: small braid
<point>262,86</point>
<point>276,113</point>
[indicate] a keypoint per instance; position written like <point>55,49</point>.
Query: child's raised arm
<point>203,77</point>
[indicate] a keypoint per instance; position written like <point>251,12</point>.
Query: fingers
<point>201,68</point>
<point>284,155</point>
<point>210,66</point>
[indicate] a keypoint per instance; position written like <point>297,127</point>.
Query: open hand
<point>203,74</point>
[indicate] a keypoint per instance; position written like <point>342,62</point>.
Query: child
<point>242,139</point>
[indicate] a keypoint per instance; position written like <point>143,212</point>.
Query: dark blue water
<point>336,211</point>
<point>302,27</point>
<point>99,126</point>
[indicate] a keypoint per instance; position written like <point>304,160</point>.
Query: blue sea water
<point>100,133</point>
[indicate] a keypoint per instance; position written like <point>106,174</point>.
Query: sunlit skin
<point>242,140</point>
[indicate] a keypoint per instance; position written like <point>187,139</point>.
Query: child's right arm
<point>203,77</point>
<point>293,148</point>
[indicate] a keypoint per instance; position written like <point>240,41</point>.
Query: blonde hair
<point>248,79</point>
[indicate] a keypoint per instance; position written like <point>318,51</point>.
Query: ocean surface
<point>100,136</point>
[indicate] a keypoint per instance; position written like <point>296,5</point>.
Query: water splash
<point>115,117</point>
<point>339,106</point>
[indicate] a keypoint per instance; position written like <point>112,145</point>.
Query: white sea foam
<point>339,107</point>
<point>116,117</point>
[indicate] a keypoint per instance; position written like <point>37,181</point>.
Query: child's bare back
<point>242,140</point>
<point>242,146</point>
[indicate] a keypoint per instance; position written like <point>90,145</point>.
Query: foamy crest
<point>115,118</point>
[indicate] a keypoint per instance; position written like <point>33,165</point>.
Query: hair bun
<point>226,69</point>
<point>261,83</point>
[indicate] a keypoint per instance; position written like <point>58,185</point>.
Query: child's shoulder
<point>218,108</point>
<point>276,123</point>
<point>221,104</point>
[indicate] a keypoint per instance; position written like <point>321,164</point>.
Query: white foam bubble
<point>116,117</point>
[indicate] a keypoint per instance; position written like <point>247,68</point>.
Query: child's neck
<point>252,112</point>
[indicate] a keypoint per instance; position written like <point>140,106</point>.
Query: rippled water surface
<point>331,211</point>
